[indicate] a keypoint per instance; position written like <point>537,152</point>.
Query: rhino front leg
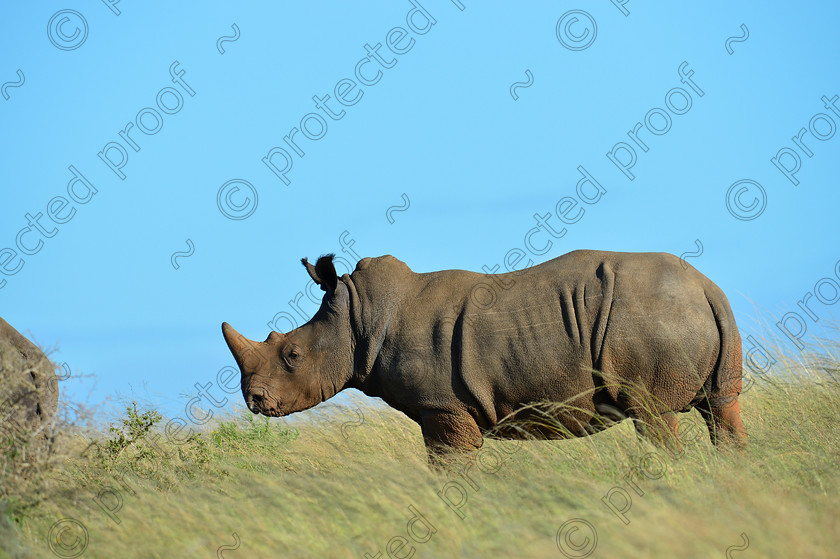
<point>445,432</point>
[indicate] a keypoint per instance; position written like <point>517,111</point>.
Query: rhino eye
<point>291,356</point>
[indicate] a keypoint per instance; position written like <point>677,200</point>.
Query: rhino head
<point>295,371</point>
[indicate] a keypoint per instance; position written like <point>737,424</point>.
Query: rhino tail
<point>720,408</point>
<point>724,383</point>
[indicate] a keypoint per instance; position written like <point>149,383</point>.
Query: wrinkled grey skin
<point>614,335</point>
<point>28,383</point>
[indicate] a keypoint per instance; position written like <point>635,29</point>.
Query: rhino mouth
<point>262,409</point>
<point>259,402</point>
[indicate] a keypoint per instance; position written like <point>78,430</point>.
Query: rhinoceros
<point>612,335</point>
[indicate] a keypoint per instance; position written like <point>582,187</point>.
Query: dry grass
<point>341,484</point>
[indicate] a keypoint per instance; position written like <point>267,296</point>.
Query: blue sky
<point>481,166</point>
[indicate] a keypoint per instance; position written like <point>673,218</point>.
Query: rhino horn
<point>237,343</point>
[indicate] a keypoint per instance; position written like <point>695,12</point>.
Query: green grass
<point>337,486</point>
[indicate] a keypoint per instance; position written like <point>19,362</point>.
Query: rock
<point>28,384</point>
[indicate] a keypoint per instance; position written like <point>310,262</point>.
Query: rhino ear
<point>323,272</point>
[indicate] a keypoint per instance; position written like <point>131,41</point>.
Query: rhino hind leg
<point>659,429</point>
<point>444,432</point>
<point>723,418</point>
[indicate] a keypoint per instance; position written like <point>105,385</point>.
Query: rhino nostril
<point>255,400</point>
